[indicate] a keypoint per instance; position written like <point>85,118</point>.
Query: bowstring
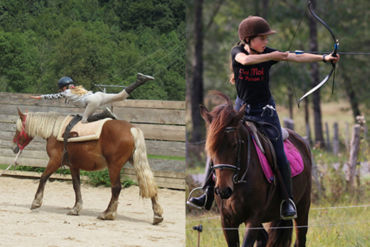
<point>289,47</point>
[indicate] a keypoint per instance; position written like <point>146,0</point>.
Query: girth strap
<point>73,122</point>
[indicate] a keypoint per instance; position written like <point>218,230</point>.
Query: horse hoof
<point>73,212</point>
<point>35,205</point>
<point>107,216</point>
<point>157,219</point>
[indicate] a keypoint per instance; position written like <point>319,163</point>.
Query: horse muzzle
<point>15,148</point>
<point>224,193</point>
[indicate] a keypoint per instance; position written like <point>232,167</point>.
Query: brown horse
<point>243,194</point>
<point>119,142</point>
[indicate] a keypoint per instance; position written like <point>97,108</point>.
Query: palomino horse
<point>119,142</point>
<point>242,192</point>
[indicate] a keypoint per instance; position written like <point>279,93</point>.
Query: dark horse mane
<point>222,117</point>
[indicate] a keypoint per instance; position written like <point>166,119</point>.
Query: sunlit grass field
<point>332,112</point>
<point>328,226</point>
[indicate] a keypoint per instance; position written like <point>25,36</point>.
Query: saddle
<point>264,142</point>
<point>79,132</point>
<point>266,152</point>
<point>72,130</point>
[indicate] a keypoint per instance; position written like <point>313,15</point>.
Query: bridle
<point>237,166</point>
<point>23,134</point>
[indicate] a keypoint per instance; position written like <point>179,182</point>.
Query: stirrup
<point>281,210</point>
<point>113,116</point>
<point>192,204</point>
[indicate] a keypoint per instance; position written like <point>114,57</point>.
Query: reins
<point>237,165</point>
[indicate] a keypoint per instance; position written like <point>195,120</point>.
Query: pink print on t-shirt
<point>252,74</point>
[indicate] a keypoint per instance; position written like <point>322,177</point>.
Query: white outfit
<point>92,101</point>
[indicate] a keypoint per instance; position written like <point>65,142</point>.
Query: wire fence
<point>285,227</point>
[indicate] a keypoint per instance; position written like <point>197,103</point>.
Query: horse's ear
<point>241,113</point>
<point>21,115</point>
<point>205,114</point>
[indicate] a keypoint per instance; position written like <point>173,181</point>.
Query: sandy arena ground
<point>51,226</point>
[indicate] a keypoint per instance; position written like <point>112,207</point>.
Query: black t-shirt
<point>252,81</point>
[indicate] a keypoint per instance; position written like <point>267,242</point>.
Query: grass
<point>165,157</point>
<point>96,178</point>
<point>329,227</point>
<point>330,114</point>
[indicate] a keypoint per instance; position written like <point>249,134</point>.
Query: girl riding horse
<point>251,63</point>
<point>92,101</point>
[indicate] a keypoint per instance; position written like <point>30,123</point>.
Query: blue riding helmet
<point>65,81</point>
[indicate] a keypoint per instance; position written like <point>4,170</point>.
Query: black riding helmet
<point>65,81</point>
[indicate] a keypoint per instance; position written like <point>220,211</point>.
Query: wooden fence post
<point>335,139</point>
<point>346,142</point>
<point>354,150</point>
<point>327,145</point>
<point>288,123</point>
<point>308,135</point>
<point>316,179</point>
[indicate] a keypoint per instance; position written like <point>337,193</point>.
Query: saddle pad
<point>86,131</point>
<point>292,154</point>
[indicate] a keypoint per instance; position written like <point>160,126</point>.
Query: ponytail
<point>79,90</point>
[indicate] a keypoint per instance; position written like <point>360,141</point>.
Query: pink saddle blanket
<point>292,154</point>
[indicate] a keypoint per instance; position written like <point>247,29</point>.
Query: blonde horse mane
<point>43,124</point>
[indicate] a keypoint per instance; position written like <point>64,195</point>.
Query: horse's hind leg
<point>157,209</point>
<point>77,188</point>
<point>111,212</point>
<point>301,221</point>
<point>50,169</point>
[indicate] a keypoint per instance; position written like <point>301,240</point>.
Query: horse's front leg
<point>52,166</point>
<point>75,172</point>
<point>231,232</point>
<point>255,232</point>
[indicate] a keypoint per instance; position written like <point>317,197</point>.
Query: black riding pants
<point>262,112</point>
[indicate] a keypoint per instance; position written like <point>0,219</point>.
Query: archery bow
<point>334,53</point>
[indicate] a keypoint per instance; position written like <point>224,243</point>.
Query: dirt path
<point>50,226</point>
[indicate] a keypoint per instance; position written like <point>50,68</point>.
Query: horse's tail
<point>144,174</point>
<point>280,233</point>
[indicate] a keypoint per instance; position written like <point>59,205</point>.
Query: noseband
<point>237,166</point>
<point>23,134</point>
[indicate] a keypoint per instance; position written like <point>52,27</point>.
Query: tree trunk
<point>351,95</point>
<point>290,102</point>
<point>265,8</point>
<point>196,89</point>
<point>319,138</point>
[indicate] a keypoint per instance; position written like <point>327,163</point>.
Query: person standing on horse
<point>251,62</point>
<point>80,97</point>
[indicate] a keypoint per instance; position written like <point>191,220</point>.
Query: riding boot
<point>206,199</point>
<point>140,80</point>
<point>107,113</point>
<point>288,209</point>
